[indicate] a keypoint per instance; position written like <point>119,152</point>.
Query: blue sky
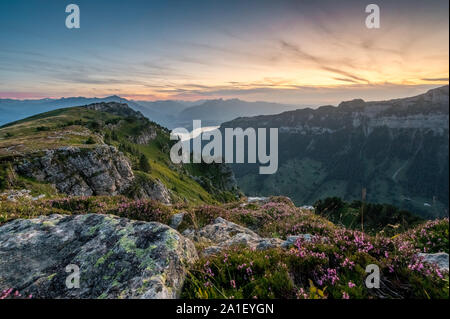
<point>298,52</point>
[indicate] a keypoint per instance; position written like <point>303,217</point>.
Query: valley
<point>397,150</point>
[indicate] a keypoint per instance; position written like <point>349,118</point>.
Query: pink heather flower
<point>439,273</point>
<point>351,285</point>
<point>233,283</point>
<point>345,295</point>
<point>349,263</point>
<point>302,293</point>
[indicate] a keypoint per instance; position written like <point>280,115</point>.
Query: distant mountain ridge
<point>397,150</point>
<point>168,113</point>
<point>13,110</point>
<point>215,112</point>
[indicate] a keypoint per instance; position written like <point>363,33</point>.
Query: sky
<point>294,52</point>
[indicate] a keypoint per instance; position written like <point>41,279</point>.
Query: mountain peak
<point>356,103</point>
<point>116,97</point>
<point>438,94</point>
<point>120,109</point>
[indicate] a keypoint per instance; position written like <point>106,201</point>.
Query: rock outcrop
<point>223,234</point>
<point>101,170</point>
<point>147,135</point>
<point>13,195</point>
<point>155,190</point>
<point>116,257</point>
<point>176,220</point>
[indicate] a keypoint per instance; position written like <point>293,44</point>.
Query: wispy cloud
<point>435,79</point>
<point>326,64</point>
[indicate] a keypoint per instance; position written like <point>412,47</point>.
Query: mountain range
<point>168,113</point>
<point>395,151</point>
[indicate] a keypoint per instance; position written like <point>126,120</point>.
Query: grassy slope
<point>75,126</point>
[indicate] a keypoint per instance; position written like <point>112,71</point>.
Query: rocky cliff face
<point>116,257</point>
<point>147,135</point>
<point>101,170</point>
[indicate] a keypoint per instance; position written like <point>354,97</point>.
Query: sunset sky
<point>297,52</point>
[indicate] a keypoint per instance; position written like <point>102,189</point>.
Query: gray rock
<point>117,257</point>
<point>154,190</point>
<point>223,234</point>
<point>440,259</point>
<point>13,195</point>
<point>257,199</point>
<point>221,230</point>
<point>101,170</point>
<point>267,243</point>
<point>291,240</point>
<point>189,233</point>
<point>176,220</point>
<point>212,250</point>
<point>147,135</point>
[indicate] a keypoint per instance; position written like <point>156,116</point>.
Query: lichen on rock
<point>117,257</point>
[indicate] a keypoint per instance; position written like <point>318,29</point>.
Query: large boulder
<point>117,257</point>
<point>222,233</point>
